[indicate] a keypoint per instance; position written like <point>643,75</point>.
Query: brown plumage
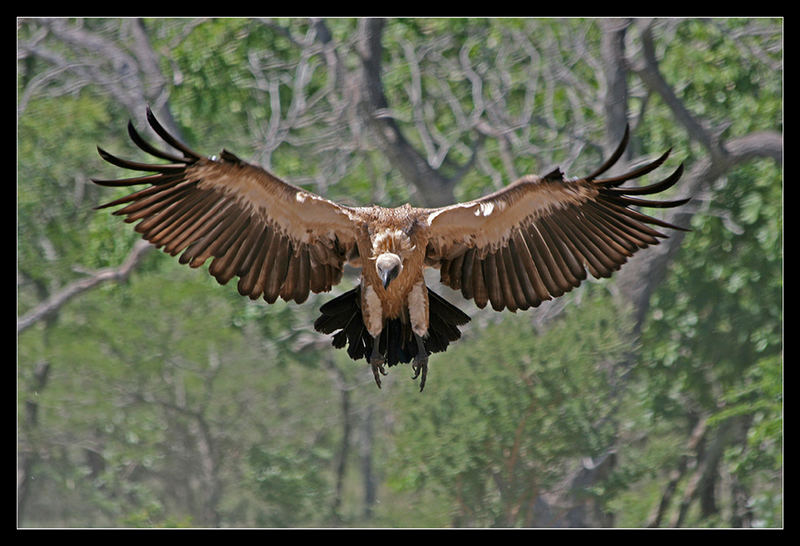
<point>513,249</point>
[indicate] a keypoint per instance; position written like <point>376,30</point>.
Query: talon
<point>420,365</point>
<point>378,369</point>
<point>376,361</point>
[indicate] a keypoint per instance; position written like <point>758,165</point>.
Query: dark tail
<point>343,316</point>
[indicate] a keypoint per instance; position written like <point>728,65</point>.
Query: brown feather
<point>551,271</point>
<point>468,262</point>
<point>250,267</point>
<point>454,271</point>
<point>623,226</point>
<point>554,229</point>
<point>514,248</point>
<point>317,277</point>
<point>195,226</point>
<point>444,272</point>
<point>530,279</point>
<point>490,276</point>
<point>146,197</point>
<point>280,265</point>
<point>506,298</point>
<point>602,234</point>
<point>559,244</point>
<point>262,266</point>
<point>479,289</point>
<point>204,207</point>
<point>287,288</point>
<point>302,285</point>
<point>217,241</point>
<point>607,224</point>
<point>512,288</point>
<point>173,226</point>
<point>528,295</point>
<point>157,209</point>
<point>594,250</point>
<point>224,267</point>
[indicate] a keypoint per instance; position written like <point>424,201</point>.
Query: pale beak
<point>388,275</point>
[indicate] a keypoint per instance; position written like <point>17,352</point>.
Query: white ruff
<point>392,240</point>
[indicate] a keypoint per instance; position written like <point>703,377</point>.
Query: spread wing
<point>278,239</point>
<point>535,239</point>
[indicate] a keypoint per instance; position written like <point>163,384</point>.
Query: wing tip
<point>614,157</point>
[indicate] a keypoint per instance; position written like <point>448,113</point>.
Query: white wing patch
<point>484,209</point>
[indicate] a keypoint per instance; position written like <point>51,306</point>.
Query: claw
<point>376,361</point>
<point>420,365</point>
<point>378,369</point>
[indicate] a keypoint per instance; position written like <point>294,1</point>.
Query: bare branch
<point>646,270</point>
<point>650,74</point>
<point>642,275</point>
<point>615,94</point>
<point>434,188</point>
<point>132,76</point>
<point>695,439</point>
<point>56,302</point>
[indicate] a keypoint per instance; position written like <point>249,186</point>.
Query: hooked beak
<point>389,266</point>
<point>388,275</point>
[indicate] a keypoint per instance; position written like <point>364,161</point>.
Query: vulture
<point>529,242</point>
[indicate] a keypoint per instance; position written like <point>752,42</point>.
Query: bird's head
<point>389,266</point>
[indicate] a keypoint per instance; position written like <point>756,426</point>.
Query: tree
<point>426,110</point>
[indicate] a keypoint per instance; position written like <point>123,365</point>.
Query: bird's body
<point>398,232</point>
<point>529,242</point>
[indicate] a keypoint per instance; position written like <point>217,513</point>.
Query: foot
<point>420,366</point>
<point>377,362</point>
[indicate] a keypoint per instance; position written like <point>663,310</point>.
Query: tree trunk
<point>28,455</point>
<point>435,189</point>
<point>367,471</point>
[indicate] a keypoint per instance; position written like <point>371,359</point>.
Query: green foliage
<point>173,401</point>
<point>720,311</point>
<point>291,481</point>
<point>509,408</point>
<point>714,343</point>
<point>53,189</point>
<point>727,87</point>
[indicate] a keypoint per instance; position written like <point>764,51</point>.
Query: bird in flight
<point>531,241</point>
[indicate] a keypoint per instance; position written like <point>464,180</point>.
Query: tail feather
<point>342,315</point>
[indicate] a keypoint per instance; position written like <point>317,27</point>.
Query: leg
<point>376,361</point>
<point>420,364</point>
<point>372,314</point>
<point>418,313</point>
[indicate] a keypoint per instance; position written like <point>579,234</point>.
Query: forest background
<point>148,395</point>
